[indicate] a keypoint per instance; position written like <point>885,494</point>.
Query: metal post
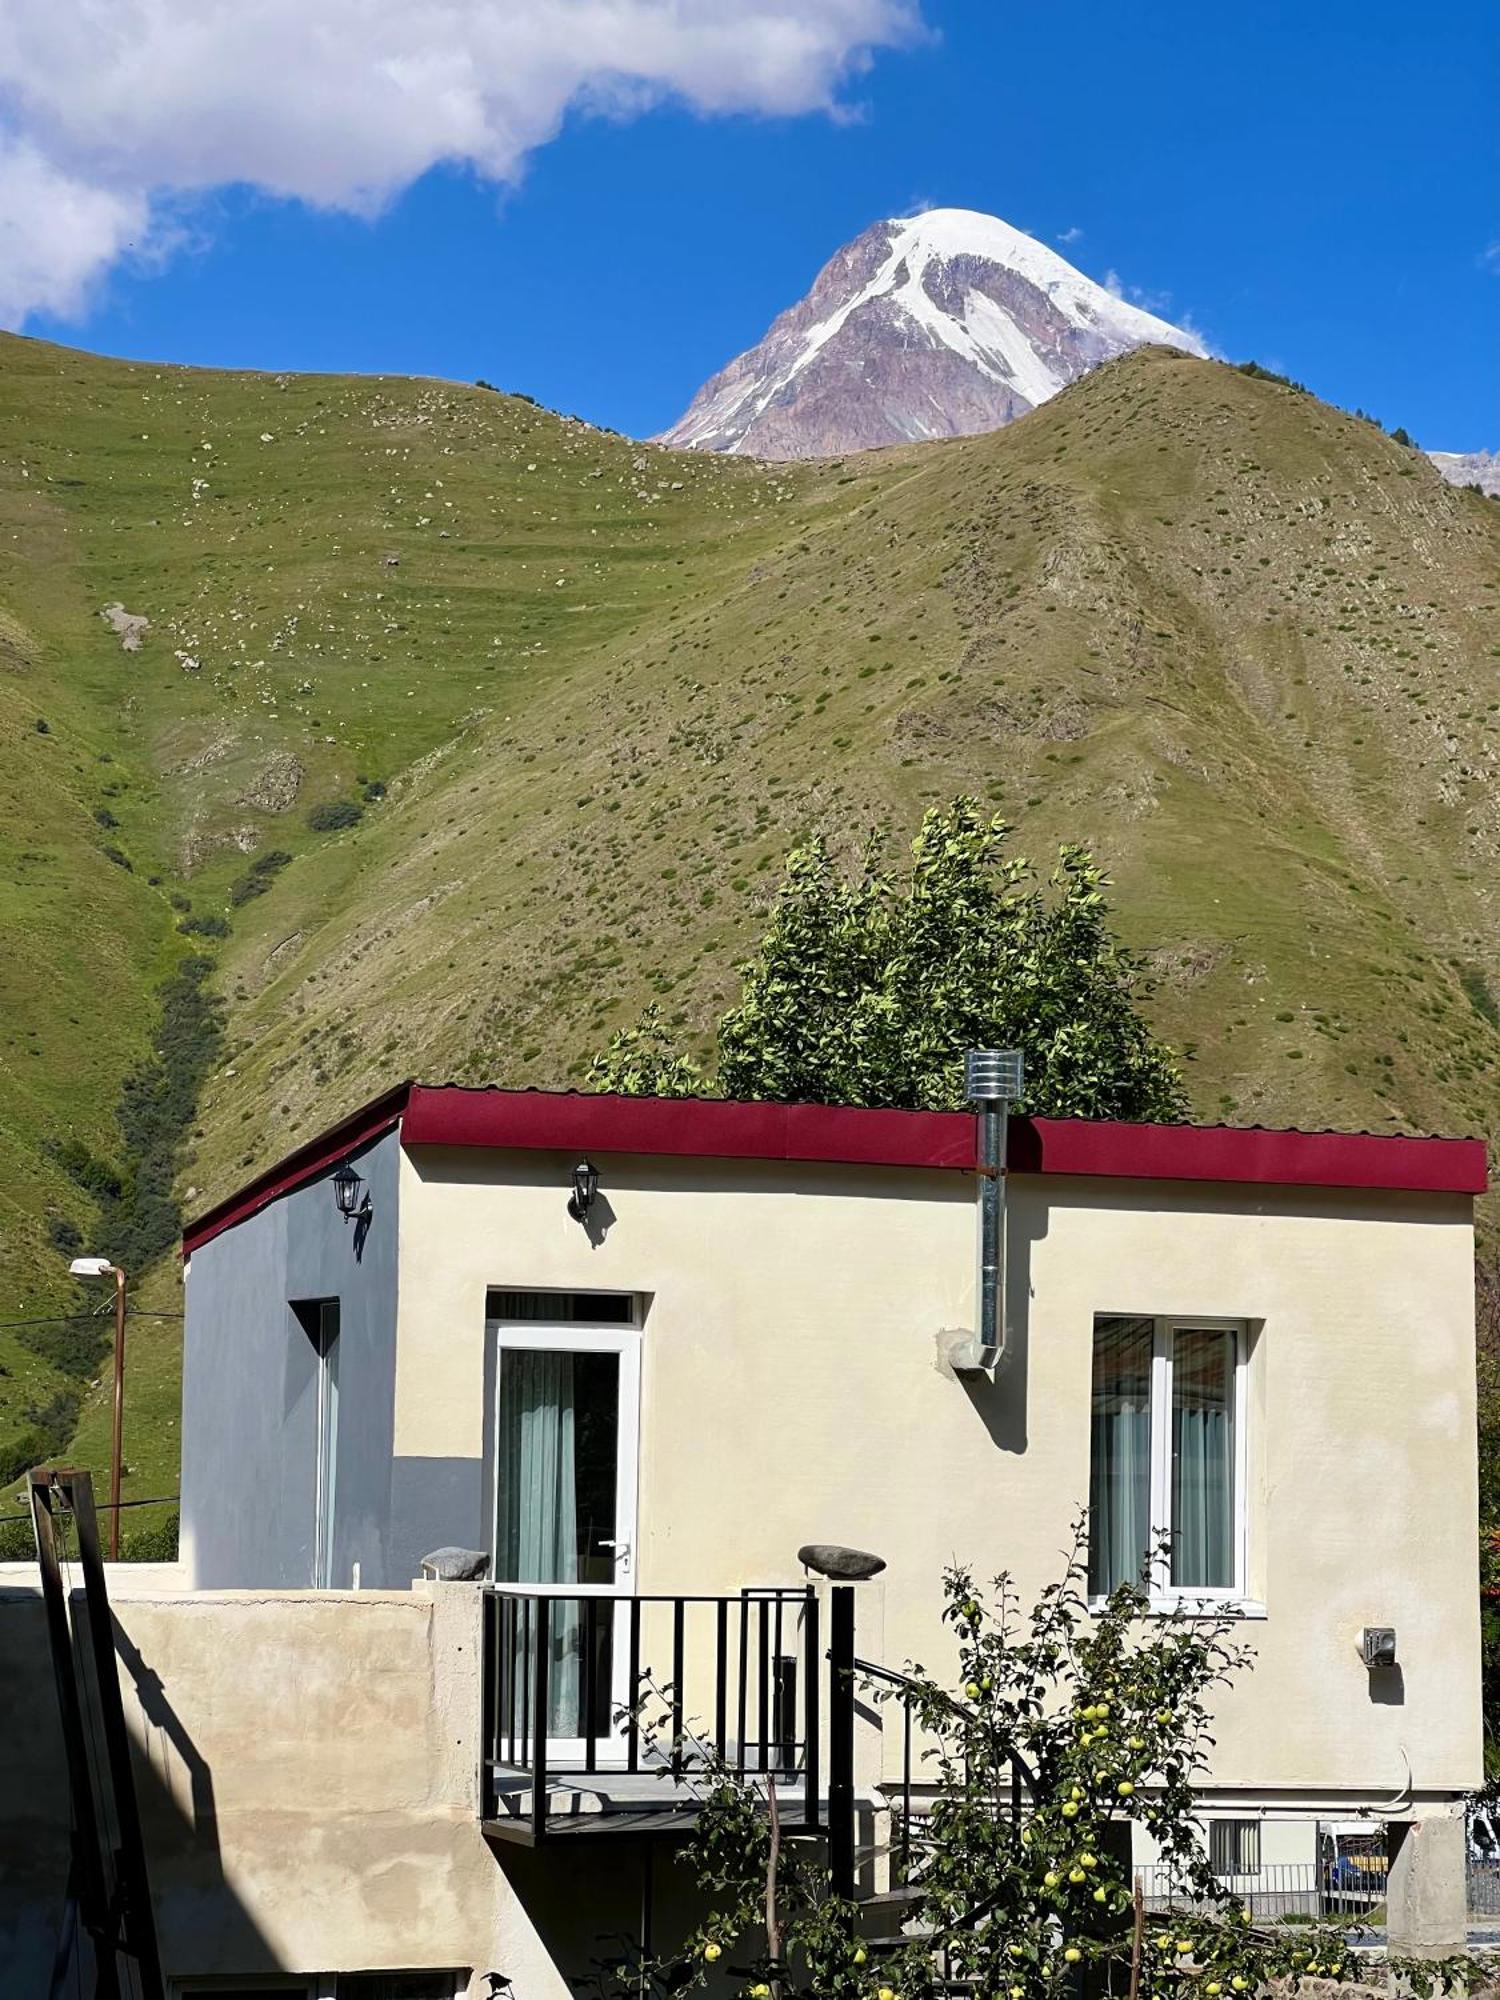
<point>116,1450</point>
<point>841,1741</point>
<point>86,1875</point>
<point>541,1710</point>
<point>812,1675</point>
<point>133,1889</point>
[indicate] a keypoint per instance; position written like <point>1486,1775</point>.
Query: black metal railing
<point>596,1686</point>
<point>905,1795</point>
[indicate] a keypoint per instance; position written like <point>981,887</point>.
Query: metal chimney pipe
<point>993,1080</point>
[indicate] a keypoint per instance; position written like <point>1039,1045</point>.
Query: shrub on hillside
<point>334,814</point>
<point>259,876</point>
<point>152,1545</point>
<point>17,1542</point>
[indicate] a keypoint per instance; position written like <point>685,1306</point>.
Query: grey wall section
<point>249,1390</point>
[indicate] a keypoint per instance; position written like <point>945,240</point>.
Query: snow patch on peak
<point>928,325</point>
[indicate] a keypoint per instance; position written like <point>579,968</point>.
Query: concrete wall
<point>794,1389</point>
<point>306,1766</point>
<point>249,1388</point>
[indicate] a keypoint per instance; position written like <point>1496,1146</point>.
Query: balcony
<point>601,1713</point>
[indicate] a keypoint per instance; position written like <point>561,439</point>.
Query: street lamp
<point>100,1267</point>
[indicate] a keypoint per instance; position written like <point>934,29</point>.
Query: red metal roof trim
<point>452,1115</point>
<point>1253,1155</point>
<point>316,1157</point>
<point>717,1128</point>
<point>705,1127</point>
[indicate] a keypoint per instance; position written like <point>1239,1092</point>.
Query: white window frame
<point>1165,1596</point>
<point>582,1337</point>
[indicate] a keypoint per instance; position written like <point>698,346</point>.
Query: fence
<point>1484,1886</point>
<point>1353,1886</point>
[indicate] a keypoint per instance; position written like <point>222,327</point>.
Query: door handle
<point>621,1551</point>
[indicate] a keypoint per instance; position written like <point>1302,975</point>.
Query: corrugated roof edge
<point>465,1115</point>
<point>305,1164</point>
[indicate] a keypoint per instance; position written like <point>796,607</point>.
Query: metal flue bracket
<point>994,1079</point>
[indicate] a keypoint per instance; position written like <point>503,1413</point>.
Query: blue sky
<point>1316,186</point>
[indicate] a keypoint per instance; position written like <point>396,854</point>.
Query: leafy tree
<point>868,989</point>
<point>1106,1716</point>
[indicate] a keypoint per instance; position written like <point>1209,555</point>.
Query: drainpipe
<point>993,1080</point>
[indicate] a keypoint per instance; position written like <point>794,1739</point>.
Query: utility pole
<point>101,1267</point>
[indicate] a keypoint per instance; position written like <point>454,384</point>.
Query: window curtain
<point>1120,1466</point>
<point>537,1533</point>
<point>1203,1459</point>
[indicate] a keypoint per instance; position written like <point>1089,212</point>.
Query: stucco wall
<point>306,1766</point>
<point>793,1389</point>
<point>249,1409</point>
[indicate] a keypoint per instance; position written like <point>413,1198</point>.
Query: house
<point>632,1355</point>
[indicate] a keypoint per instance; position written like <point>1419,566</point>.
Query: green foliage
<point>48,1426</point>
<point>644,1062</point>
<point>1259,374</point>
<point>868,990</point>
<point>334,814</point>
<point>17,1542</point>
<point>1106,1716</point>
<point>258,877</point>
<point>139,1216</point>
<point>152,1545</point>
<point>210,925</point>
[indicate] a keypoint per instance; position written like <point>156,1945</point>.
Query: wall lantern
<point>346,1186</point>
<point>1377,1646</point>
<point>585,1187</point>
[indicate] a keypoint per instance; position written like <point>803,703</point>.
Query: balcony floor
<point>619,1802</point>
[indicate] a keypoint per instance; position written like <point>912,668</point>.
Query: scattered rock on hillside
<point>129,626</point>
<point>275,785</point>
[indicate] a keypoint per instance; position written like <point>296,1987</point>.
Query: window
<point>563,1308</point>
<point>319,1320</point>
<point>1167,1456</point>
<point>1234,1846</point>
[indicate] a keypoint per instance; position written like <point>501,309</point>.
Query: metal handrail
<point>518,1668</point>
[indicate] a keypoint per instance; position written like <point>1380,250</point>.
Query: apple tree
<point>867,988</point>
<point>1016,1893</point>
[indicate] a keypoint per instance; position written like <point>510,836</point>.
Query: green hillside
<point>1246,645</point>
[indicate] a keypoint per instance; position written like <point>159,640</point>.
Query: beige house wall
<point>794,1388</point>
<point>306,1765</point>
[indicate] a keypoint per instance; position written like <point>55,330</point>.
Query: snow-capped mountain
<point>1470,468</point>
<point>934,326</point>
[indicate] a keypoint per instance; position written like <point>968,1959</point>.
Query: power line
<point>80,1319</point>
<point>108,1506</point>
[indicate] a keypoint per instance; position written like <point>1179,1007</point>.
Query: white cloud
<point>1070,234</point>
<point>1489,258</point>
<point>56,234</point>
<point>113,111</point>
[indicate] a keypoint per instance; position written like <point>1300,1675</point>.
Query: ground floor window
<point>1234,1846</point>
<point>1167,1456</point>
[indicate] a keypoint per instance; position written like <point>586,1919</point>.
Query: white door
<point>567,1420</point>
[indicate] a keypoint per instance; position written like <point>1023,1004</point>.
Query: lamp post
<point>100,1267</point>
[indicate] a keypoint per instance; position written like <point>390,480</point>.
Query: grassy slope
<point>1244,644</point>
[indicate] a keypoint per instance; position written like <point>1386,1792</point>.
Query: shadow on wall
<point>1000,1400</point>
<point>181,1836</point>
<point>629,1888</point>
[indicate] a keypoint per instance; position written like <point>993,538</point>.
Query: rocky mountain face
<point>1470,468</point>
<point>939,325</point>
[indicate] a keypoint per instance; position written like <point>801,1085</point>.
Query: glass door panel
<point>565,1469</point>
